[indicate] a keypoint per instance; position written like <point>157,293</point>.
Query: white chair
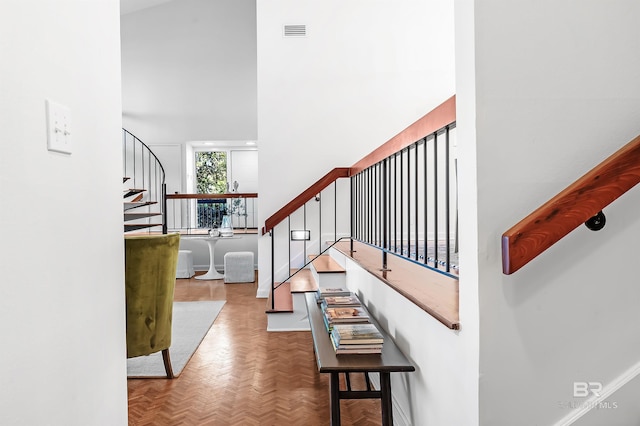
<point>238,267</point>
<point>185,264</point>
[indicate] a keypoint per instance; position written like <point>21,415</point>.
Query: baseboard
<point>277,330</point>
<point>205,268</point>
<point>608,390</point>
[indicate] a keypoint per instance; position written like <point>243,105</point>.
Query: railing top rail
<point>305,196</point>
<point>213,196</point>
<point>572,207</point>
<point>441,116</point>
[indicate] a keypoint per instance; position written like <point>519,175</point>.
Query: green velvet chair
<point>150,277</point>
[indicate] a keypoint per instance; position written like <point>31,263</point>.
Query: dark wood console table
<point>391,360</point>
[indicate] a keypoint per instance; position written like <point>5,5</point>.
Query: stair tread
<point>303,282</point>
<point>133,227</point>
<point>134,216</point>
<point>125,178</point>
<point>325,264</point>
<point>283,301</point>
<point>128,205</point>
<point>132,191</point>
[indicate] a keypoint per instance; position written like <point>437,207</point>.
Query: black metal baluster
<point>409,201</point>
<point>401,204</point>
<point>319,225</point>
<point>426,201</point>
<point>415,177</point>
<point>335,211</point>
<point>435,199</point>
<point>383,203</point>
<point>273,268</point>
<point>289,238</point>
<point>395,203</point>
<point>447,201</point>
<point>304,226</point>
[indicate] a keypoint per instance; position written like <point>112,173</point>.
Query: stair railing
<point>403,198</point>
<point>197,213</point>
<point>406,203</point>
<point>581,202</point>
<point>146,173</point>
<point>308,226</point>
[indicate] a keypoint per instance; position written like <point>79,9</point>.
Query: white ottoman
<point>184,269</point>
<point>238,267</point>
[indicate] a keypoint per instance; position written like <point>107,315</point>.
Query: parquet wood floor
<point>241,374</point>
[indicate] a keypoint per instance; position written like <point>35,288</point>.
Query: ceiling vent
<point>295,31</point>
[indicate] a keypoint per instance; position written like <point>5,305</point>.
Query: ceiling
<point>130,6</point>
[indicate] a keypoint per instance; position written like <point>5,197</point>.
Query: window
<point>211,172</point>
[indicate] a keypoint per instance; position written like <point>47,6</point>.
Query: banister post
<point>273,275</point>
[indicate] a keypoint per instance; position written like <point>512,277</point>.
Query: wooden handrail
<point>300,200</point>
<point>436,119</point>
<point>572,207</point>
<point>212,196</point>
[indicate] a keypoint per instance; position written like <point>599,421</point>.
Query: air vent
<point>295,30</point>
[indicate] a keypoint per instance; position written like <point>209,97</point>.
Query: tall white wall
<point>62,293</point>
<point>364,72</point>
<point>189,71</point>
<point>556,89</point>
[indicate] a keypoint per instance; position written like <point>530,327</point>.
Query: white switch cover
<point>58,127</point>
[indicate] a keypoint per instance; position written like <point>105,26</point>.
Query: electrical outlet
<point>58,127</point>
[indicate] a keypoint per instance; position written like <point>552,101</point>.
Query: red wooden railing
<point>439,117</point>
<point>305,196</point>
<point>572,207</point>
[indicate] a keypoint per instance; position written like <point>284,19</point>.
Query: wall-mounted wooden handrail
<point>306,195</point>
<point>572,207</point>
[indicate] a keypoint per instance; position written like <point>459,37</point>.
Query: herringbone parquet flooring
<point>241,374</point>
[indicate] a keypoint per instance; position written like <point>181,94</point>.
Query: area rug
<point>191,322</point>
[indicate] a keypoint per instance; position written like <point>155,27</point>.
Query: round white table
<point>212,274</point>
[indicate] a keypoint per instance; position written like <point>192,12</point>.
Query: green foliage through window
<point>211,172</point>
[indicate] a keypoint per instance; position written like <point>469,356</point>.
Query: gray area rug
<point>191,322</point>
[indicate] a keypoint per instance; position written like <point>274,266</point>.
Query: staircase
<point>400,200</point>
<point>144,189</point>
<point>289,311</point>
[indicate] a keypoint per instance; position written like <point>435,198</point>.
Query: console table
<point>391,360</point>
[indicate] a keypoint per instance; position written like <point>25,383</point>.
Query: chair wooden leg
<point>167,364</point>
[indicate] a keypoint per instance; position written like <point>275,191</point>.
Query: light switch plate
<point>58,127</point>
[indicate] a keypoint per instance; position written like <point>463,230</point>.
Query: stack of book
<point>322,292</point>
<point>342,309</point>
<point>348,322</point>
<point>356,339</point>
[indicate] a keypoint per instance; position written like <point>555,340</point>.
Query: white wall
<point>556,90</point>
<point>189,71</point>
<point>365,71</point>
<point>62,293</point>
<point>243,168</point>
